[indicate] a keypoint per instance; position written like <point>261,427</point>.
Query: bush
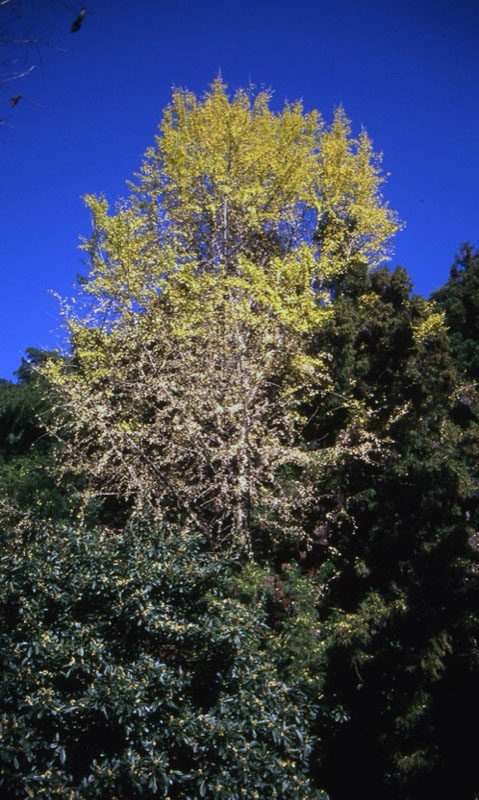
<point>131,668</point>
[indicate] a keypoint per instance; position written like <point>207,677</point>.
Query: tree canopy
<point>257,573</point>
<point>206,286</point>
<point>459,300</point>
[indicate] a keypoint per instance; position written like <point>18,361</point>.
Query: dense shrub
<point>132,667</point>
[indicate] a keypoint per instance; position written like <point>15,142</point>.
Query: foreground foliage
<point>136,665</point>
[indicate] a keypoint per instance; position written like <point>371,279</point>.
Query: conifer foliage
<point>459,299</point>
<point>400,620</point>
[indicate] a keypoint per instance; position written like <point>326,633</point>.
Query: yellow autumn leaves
<point>206,287</point>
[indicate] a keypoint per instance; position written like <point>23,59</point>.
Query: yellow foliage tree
<point>190,370</point>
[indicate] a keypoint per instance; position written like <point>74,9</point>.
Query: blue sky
<point>406,71</point>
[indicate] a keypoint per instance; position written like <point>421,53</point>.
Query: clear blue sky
<point>407,71</point>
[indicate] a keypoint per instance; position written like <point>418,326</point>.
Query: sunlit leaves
<point>206,288</point>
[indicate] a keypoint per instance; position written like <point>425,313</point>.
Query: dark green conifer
<point>27,488</point>
<point>399,616</point>
<point>459,299</point>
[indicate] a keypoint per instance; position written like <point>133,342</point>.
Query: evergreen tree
<point>393,543</point>
<point>28,489</point>
<point>459,299</point>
